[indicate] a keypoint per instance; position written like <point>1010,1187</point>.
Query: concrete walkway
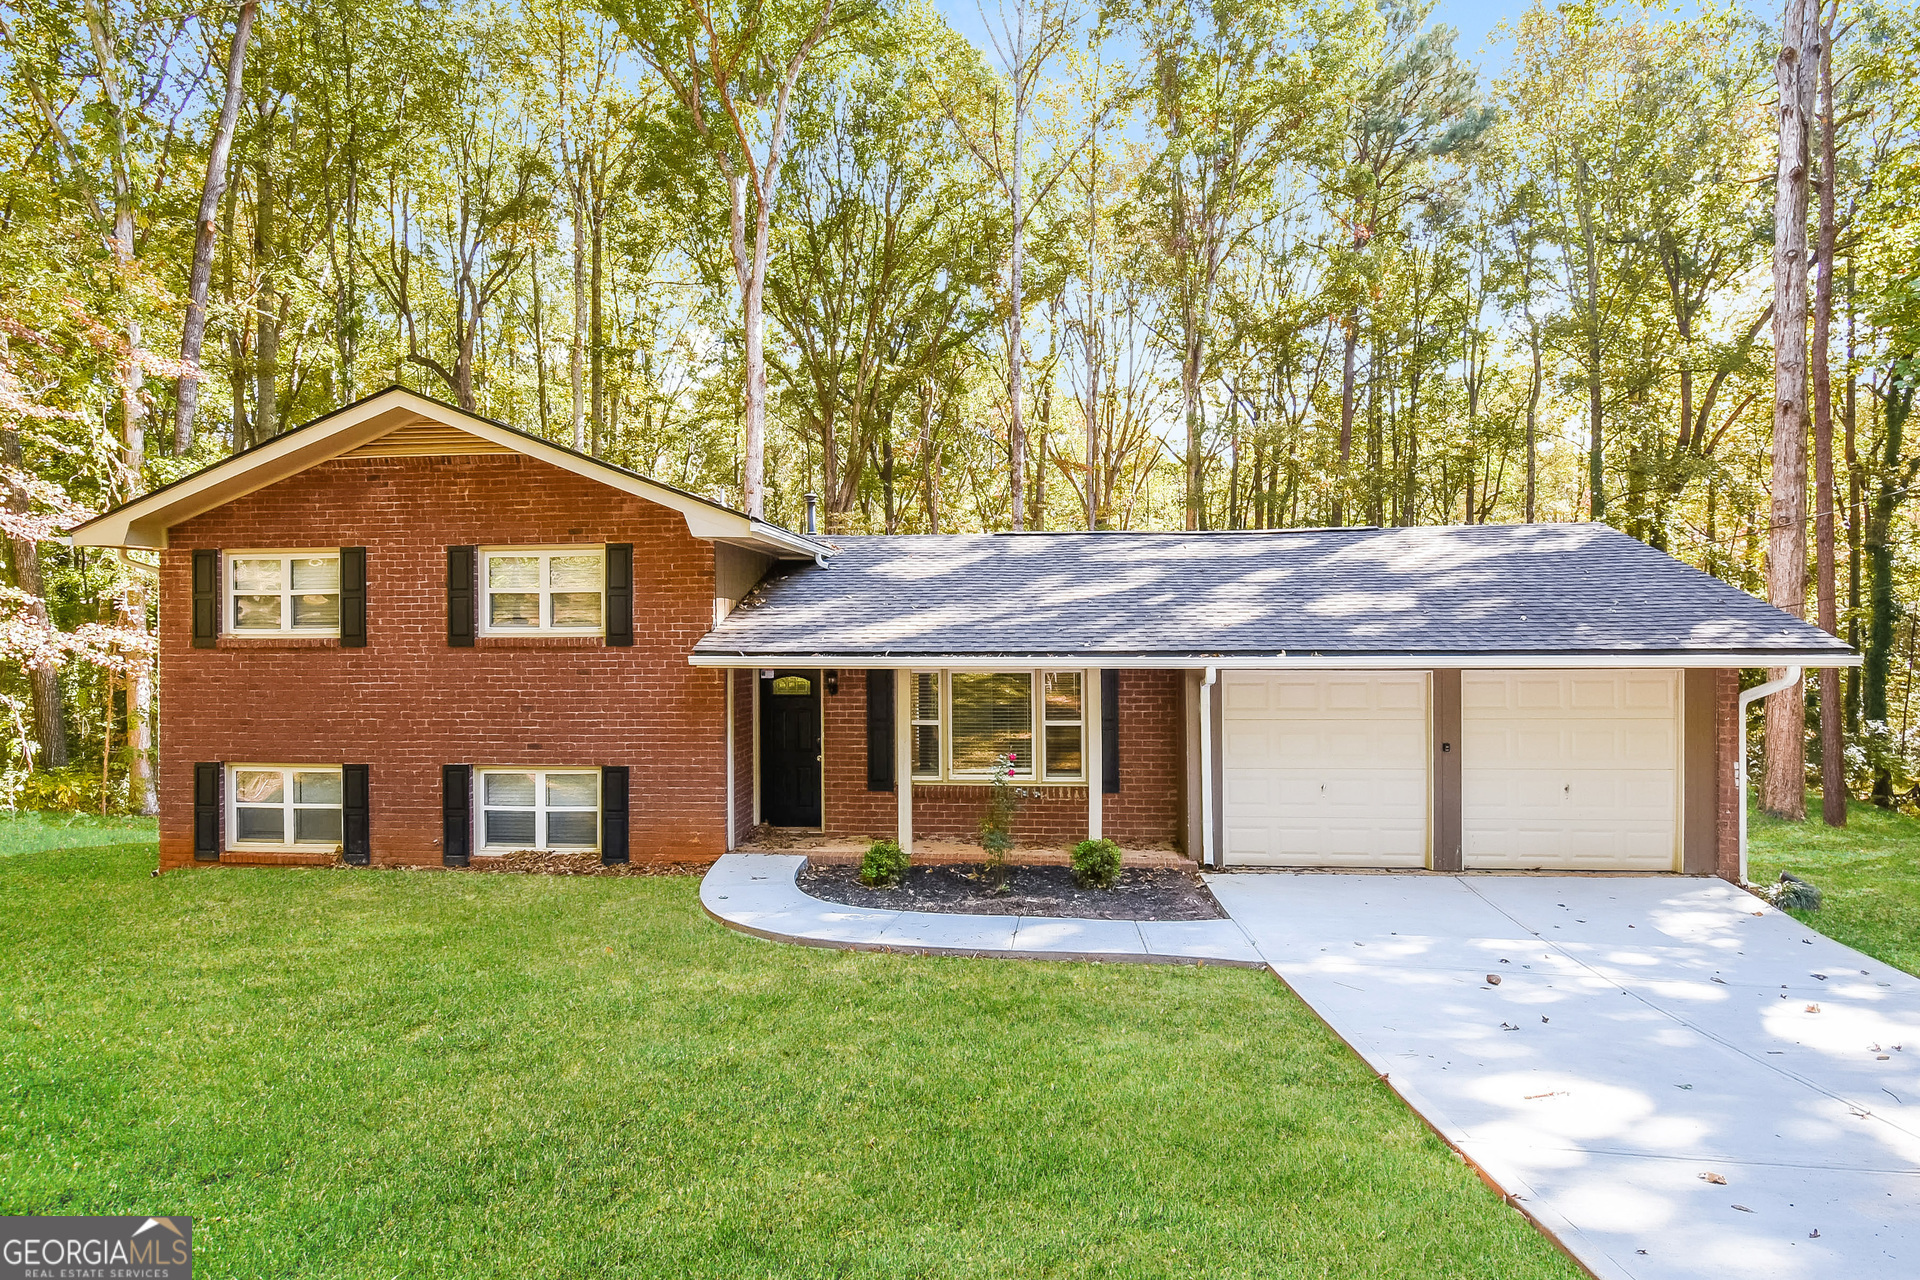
<point>1672,1079</point>
<point>756,893</point>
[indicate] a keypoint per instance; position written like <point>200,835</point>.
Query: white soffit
<point>400,423</point>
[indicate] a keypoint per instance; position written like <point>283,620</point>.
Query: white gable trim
<point>144,522</point>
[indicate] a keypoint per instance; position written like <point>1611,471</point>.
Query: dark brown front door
<point>790,749</point>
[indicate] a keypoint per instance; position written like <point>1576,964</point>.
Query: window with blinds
<point>1065,725</point>
<point>925,713</point>
<point>992,717</point>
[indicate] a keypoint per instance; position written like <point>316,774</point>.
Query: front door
<point>790,749</point>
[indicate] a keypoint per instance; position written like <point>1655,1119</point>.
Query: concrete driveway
<point>1647,1037</point>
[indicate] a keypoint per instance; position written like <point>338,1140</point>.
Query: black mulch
<point>1143,893</point>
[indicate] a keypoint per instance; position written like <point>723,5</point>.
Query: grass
<point>350,1073</point>
<point>29,831</point>
<point>1868,873</point>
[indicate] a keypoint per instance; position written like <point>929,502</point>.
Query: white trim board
<point>1490,660</point>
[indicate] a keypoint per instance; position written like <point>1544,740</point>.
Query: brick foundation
<point>1730,739</point>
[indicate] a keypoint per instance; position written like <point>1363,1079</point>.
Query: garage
<point>1324,769</point>
<point>1570,770</point>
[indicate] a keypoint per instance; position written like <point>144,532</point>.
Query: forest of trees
<point>1141,264</point>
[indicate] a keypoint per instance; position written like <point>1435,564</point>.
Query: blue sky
<point>1473,19</point>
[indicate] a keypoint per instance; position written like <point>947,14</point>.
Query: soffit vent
<point>423,438</point>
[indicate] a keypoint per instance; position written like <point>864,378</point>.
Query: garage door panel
<point>1326,769</point>
<point>1576,770</point>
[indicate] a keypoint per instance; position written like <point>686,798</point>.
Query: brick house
<point>404,634</point>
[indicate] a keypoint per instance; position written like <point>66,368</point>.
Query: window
<point>561,591</point>
<point>992,716</point>
<point>926,724</point>
<point>978,716</point>
<point>539,809</point>
<point>284,592</point>
<point>1064,724</point>
<point>283,805</point>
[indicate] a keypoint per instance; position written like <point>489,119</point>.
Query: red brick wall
<point>1145,812</point>
<point>1731,740</point>
<point>1147,809</point>
<point>406,704</point>
<point>851,810</point>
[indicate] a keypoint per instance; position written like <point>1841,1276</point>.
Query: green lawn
<point>32,832</point>
<point>355,1074</point>
<point>1868,873</point>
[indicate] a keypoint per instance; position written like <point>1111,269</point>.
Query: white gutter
<point>1747,699</point>
<point>1206,769</point>
<point>1493,660</point>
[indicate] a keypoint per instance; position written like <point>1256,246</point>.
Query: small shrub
<point>996,827</point>
<point>884,863</point>
<point>1795,894</point>
<point>1096,864</point>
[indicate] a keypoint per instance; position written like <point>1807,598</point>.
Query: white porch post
<point>1092,744</point>
<point>903,756</point>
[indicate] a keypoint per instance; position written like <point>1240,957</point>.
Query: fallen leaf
<point>1813,1008</point>
<point>1714,1178</point>
<point>1742,1208</point>
<point>1557,1093</point>
<point>1493,979</point>
<point>1543,1017</point>
<point>1508,1026</point>
<point>1813,1235</point>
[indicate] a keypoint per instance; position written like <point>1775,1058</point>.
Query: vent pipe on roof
<point>811,500</point>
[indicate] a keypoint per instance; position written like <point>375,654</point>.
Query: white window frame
<point>1041,723</point>
<point>230,620</point>
<point>540,808</point>
<point>1036,773</point>
<point>287,805</point>
<point>546,554</point>
<point>938,723</point>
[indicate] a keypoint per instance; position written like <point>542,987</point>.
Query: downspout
<point>1208,855</point>
<point>1747,699</point>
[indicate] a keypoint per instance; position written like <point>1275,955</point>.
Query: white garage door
<point>1325,769</point>
<point>1571,770</point>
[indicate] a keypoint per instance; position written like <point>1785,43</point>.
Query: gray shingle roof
<point>1507,589</point>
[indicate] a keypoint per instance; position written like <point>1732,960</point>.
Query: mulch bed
<point>1143,893</point>
<point>534,862</point>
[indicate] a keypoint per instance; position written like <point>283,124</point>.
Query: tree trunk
<point>1882,615</point>
<point>1833,772</point>
<point>1346,418</point>
<point>49,703</point>
<point>1596,403</point>
<point>266,343</point>
<point>1784,790</point>
<point>596,342</point>
<point>577,368</point>
<point>193,328</point>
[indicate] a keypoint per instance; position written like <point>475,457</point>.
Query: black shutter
<point>1110,732</point>
<point>456,813</point>
<point>620,594</point>
<point>353,597</point>
<point>463,575</point>
<point>614,781</point>
<point>206,598</point>
<point>356,844</point>
<point>206,811</point>
<point>880,744</point>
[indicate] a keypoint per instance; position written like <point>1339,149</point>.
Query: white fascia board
<point>144,522</point>
<point>1288,662</point>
